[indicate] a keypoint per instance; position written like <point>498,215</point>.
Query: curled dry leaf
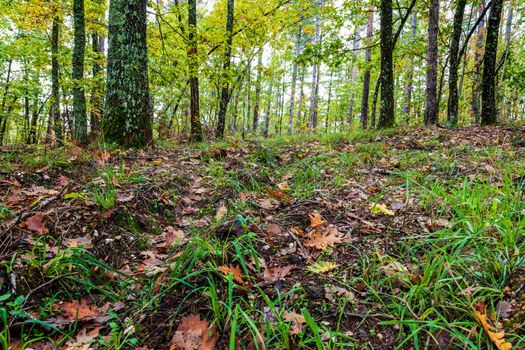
<point>234,270</point>
<point>498,338</point>
<point>194,334</point>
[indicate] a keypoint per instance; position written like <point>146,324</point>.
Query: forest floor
<point>408,239</point>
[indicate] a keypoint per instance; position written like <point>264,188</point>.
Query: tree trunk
<point>410,82</point>
<point>489,112</point>
<point>268,109</point>
<point>366,77</point>
<point>300,116</point>
<point>329,102</point>
<point>355,49</point>
<point>432,107</point>
<point>374,103</point>
<point>225,90</point>
<point>79,48</point>
<point>386,112</point>
<point>195,116</point>
<point>258,83</point>
<point>478,63</point>
<point>55,84</point>
<point>128,114</point>
<point>294,78</point>
<point>453,95</point>
<point>97,97</point>
<point>312,121</point>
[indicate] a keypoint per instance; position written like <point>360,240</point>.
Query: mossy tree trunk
<point>79,48</point>
<point>128,111</point>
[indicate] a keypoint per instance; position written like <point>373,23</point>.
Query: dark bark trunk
<point>387,110</point>
<point>128,112</point>
<point>225,89</point>
<point>195,116</point>
<point>489,112</point>
<point>453,95</point>
<point>432,107</point>
<point>79,48</point>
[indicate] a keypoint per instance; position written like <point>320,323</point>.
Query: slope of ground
<point>408,239</point>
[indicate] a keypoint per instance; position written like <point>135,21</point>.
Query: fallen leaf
<point>36,224</point>
<point>297,320</point>
<point>125,197</point>
<point>276,274</point>
<point>194,334</point>
<point>234,270</point>
<point>168,237</point>
<point>316,220</point>
<point>380,209</point>
<point>62,181</point>
<point>322,266</point>
<point>276,193</point>
<point>78,242</point>
<point>498,338</point>
<point>221,211</point>
<point>79,311</point>
<point>274,230</point>
<point>332,292</point>
<point>322,239</point>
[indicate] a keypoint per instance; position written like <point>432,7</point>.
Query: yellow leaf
<point>322,266</point>
<point>380,209</point>
<point>498,338</point>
